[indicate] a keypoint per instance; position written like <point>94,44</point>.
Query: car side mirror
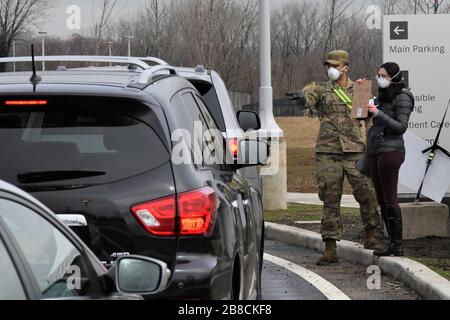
<point>248,120</point>
<point>251,152</point>
<point>140,275</point>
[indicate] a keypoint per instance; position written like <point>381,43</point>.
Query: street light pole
<point>43,33</point>
<point>110,50</point>
<point>129,44</point>
<point>14,54</point>
<point>266,91</point>
<point>274,176</point>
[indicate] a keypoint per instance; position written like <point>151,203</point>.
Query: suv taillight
<point>157,216</point>
<point>197,214</point>
<point>233,147</point>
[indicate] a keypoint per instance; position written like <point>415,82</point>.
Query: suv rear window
<point>75,147</point>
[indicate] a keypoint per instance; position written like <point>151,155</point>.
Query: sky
<point>56,23</point>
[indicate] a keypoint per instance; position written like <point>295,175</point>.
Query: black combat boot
<point>394,226</point>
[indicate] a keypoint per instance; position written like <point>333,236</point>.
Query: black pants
<point>384,170</point>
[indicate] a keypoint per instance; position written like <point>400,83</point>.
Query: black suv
<point>99,149</point>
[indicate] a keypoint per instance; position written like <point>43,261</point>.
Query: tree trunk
<point>5,47</point>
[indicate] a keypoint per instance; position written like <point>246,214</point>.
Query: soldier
<point>338,148</point>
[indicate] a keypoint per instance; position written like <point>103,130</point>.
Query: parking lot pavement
<point>281,284</point>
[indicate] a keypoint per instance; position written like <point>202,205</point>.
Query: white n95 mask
<point>383,83</point>
<point>334,74</point>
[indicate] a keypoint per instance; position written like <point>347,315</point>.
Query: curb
<point>418,277</point>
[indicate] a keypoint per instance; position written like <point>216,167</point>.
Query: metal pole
<point>110,51</point>
<point>129,45</point>
<point>266,91</point>
<point>14,54</point>
<point>274,177</point>
<point>43,53</point>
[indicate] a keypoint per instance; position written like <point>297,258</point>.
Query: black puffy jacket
<point>390,124</point>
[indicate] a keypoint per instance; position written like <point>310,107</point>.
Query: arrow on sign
<point>397,30</point>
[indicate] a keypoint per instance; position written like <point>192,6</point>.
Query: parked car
<point>41,258</point>
<point>97,148</point>
<point>234,124</point>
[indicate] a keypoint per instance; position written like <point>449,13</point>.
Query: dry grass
<point>301,135</point>
<point>300,132</point>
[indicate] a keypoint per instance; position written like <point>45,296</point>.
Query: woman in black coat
<point>386,149</point>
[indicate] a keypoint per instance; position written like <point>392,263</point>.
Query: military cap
<point>337,57</point>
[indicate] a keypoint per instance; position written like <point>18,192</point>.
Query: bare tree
<point>215,33</point>
<point>156,28</point>
<point>337,10</point>
<point>15,17</point>
<point>223,35</point>
<point>430,6</point>
<point>107,9</point>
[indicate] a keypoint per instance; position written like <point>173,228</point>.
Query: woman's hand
<point>359,81</point>
<point>373,109</point>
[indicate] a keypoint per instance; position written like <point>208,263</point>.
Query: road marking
<point>308,222</point>
<point>328,289</point>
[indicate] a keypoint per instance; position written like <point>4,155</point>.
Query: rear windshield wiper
<point>47,188</point>
<point>47,176</point>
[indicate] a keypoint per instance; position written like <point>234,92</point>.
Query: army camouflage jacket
<point>339,133</point>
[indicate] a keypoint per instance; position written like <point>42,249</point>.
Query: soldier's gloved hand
<point>295,95</point>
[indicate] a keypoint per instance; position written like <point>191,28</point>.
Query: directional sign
<point>399,30</point>
<point>420,46</point>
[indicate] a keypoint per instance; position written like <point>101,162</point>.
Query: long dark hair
<point>388,94</point>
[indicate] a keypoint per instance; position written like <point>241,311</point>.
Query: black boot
<point>394,226</point>
<point>385,220</point>
<point>397,232</point>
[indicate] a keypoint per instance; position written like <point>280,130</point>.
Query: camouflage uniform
<point>339,146</point>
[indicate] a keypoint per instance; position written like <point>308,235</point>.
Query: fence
<point>281,108</point>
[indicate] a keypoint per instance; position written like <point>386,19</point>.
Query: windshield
<point>59,147</point>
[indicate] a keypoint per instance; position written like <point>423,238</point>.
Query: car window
<point>56,263</point>
<point>215,131</point>
<point>191,120</point>
<point>61,148</point>
<point>206,113</point>
<point>209,96</point>
<point>10,285</point>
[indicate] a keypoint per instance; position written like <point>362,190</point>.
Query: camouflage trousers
<point>330,170</point>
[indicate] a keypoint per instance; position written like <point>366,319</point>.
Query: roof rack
<point>145,77</point>
<point>153,59</point>
<point>123,60</point>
